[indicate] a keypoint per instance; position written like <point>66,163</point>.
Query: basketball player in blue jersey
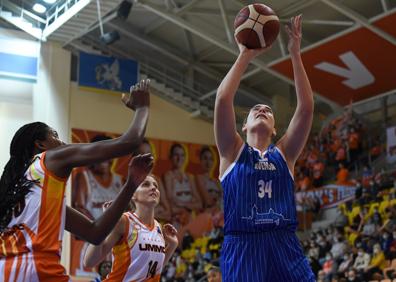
<point>260,243</point>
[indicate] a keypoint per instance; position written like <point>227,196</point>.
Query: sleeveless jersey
<point>140,254</point>
<point>99,194</point>
<point>30,248</point>
<point>258,192</point>
<point>182,190</point>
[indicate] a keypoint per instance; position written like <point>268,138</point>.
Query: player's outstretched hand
<point>294,32</point>
<point>170,235</point>
<point>139,167</point>
<point>139,95</point>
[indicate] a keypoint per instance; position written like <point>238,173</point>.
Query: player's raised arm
<point>95,231</point>
<point>292,143</point>
<point>228,140</point>
<point>63,159</point>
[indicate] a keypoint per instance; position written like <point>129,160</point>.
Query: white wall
<point>16,107</point>
<point>15,110</point>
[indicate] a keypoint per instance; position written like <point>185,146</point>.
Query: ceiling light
<point>39,8</point>
<point>50,1</point>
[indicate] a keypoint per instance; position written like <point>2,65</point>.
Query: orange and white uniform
<point>140,254</point>
<point>30,247</point>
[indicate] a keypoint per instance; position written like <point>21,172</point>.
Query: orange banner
<point>356,65</point>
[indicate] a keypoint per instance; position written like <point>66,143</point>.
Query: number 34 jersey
<point>140,254</point>
<point>258,192</point>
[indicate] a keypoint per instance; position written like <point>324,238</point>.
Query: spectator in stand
<point>317,171</point>
<point>339,247</point>
<point>329,266</point>
<point>214,274</point>
<point>303,182</point>
<point>353,144</point>
<point>346,263</point>
<point>377,264</point>
<point>342,175</point>
<point>361,261</point>
<point>367,175</point>
<point>352,277</point>
<point>341,157</point>
<point>376,148</point>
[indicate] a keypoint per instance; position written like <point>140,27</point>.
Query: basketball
<point>256,26</point>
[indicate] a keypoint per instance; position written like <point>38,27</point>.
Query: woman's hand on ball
<point>250,53</point>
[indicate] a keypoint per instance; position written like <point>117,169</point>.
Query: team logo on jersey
<point>263,164</point>
<point>269,217</point>
<point>151,248</point>
<point>132,238</point>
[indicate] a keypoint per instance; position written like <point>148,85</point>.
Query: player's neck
<point>145,214</point>
<point>258,141</point>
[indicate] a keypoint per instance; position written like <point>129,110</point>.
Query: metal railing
<point>17,11</point>
<point>175,81</point>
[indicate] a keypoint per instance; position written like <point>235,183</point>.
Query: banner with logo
<point>329,195</point>
<point>391,144</point>
<point>107,73</point>
<point>187,175</point>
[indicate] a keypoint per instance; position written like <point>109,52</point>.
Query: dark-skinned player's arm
<point>97,253</point>
<point>95,231</point>
<point>292,143</point>
<point>63,159</point>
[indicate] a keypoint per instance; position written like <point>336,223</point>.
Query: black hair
<point>14,185</point>
<point>173,148</point>
<point>203,150</point>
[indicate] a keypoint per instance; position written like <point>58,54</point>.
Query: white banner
<point>329,195</point>
<point>391,144</point>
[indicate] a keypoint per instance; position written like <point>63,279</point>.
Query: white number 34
<point>264,188</point>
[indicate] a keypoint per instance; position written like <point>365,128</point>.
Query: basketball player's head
<point>148,193</point>
<point>260,120</point>
<point>214,274</point>
<point>206,157</point>
<point>29,140</point>
<point>102,167</point>
<point>177,156</point>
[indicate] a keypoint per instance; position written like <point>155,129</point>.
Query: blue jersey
<point>258,193</point>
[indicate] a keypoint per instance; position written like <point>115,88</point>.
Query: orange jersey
<point>30,247</point>
<point>140,254</point>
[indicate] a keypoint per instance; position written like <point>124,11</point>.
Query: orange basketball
<point>256,26</point>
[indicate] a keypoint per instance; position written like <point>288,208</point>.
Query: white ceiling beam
<point>384,4</point>
<point>211,50</point>
<point>322,22</point>
<point>224,17</point>
<point>153,45</point>
<point>360,19</point>
<point>88,29</point>
<point>382,95</point>
<point>155,25</point>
